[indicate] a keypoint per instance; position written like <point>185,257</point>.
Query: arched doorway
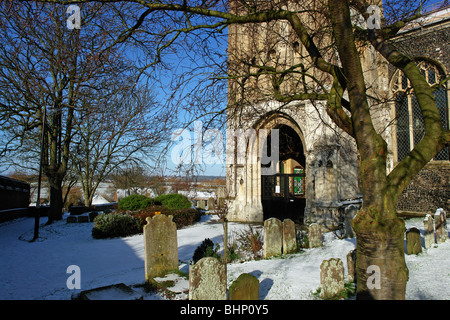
<point>283,194</point>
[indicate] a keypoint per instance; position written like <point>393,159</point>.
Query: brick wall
<point>429,190</point>
<point>432,42</point>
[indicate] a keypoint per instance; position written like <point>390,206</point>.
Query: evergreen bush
<point>205,249</point>
<point>135,202</point>
<point>174,201</point>
<point>115,224</point>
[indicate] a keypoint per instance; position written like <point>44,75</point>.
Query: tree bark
<point>56,202</point>
<point>380,258</point>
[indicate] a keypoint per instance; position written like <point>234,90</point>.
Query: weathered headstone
<point>289,237</point>
<point>413,242</point>
<point>351,265</point>
<point>245,287</point>
<point>440,225</point>
<point>211,203</point>
<point>315,236</point>
<point>208,280</point>
<point>201,204</point>
<point>428,227</point>
<point>160,246</point>
<point>350,213</point>
<point>273,237</point>
<point>331,278</point>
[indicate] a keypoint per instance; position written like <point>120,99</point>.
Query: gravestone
<point>273,237</point>
<point>245,287</point>
<point>331,278</point>
<point>440,225</point>
<point>315,236</point>
<point>201,204</point>
<point>208,280</point>
<point>211,203</point>
<point>413,242</point>
<point>350,213</point>
<point>351,265</point>
<point>289,238</point>
<point>160,246</point>
<point>428,227</point>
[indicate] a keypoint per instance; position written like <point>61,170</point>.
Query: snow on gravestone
<point>289,239</point>
<point>207,280</point>
<point>413,242</point>
<point>315,236</point>
<point>428,227</point>
<point>331,278</point>
<point>273,237</point>
<point>160,246</point>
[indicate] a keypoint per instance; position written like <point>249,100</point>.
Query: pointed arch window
<point>410,127</point>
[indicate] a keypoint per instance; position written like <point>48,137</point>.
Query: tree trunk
<point>56,202</point>
<point>380,257</point>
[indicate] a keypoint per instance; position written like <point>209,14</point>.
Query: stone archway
<point>283,193</point>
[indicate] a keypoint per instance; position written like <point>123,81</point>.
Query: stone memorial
<point>428,227</point>
<point>331,278</point>
<point>208,280</point>
<point>413,241</point>
<point>289,237</point>
<point>160,246</point>
<point>201,204</point>
<point>440,225</point>
<point>245,287</point>
<point>351,266</point>
<point>211,204</point>
<point>273,237</point>
<point>315,236</point>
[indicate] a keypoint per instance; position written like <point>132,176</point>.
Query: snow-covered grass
<point>38,270</point>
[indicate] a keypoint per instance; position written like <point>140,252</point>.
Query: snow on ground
<point>38,270</point>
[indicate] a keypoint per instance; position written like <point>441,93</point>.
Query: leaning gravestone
<point>273,237</point>
<point>331,278</point>
<point>289,238</point>
<point>245,287</point>
<point>413,242</point>
<point>440,224</point>
<point>315,236</point>
<point>208,280</point>
<point>160,246</point>
<point>428,227</point>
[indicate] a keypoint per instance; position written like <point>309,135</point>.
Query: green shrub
<point>135,202</point>
<point>181,217</point>
<point>115,224</point>
<point>174,201</point>
<point>206,249</point>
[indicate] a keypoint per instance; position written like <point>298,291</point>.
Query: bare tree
<point>48,75</point>
<point>128,127</point>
